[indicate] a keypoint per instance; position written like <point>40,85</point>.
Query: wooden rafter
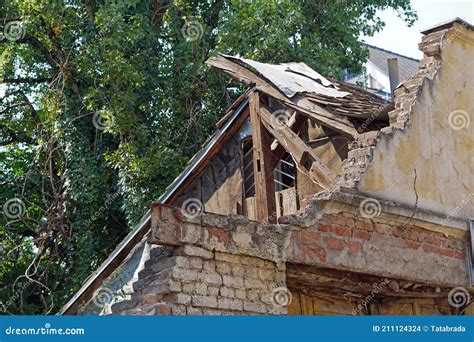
<point>279,151</point>
<point>302,153</point>
<point>263,173</point>
<point>338,123</point>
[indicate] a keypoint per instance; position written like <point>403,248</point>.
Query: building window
<point>247,168</point>
<point>284,173</point>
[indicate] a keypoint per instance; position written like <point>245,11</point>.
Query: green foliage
<point>104,101</point>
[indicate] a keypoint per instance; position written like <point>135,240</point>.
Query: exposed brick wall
<point>195,281</point>
<point>377,246</point>
<point>361,151</point>
<point>225,265</point>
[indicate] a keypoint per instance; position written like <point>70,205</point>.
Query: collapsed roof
<point>335,104</point>
<point>342,108</point>
<point>331,103</point>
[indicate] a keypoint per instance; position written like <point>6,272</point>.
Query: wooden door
<point>321,303</point>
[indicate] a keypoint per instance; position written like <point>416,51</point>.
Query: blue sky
<point>397,37</point>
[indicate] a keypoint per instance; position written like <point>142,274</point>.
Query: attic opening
<point>302,139</point>
<point>285,180</point>
<point>284,173</point>
<point>247,169</point>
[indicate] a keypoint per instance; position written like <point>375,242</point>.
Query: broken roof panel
<point>293,78</point>
<point>298,80</point>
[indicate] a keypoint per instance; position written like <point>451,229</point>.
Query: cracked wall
<point>431,132</point>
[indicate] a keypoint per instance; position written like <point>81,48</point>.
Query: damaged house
<point>313,197</point>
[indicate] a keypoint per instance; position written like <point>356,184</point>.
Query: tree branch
<point>89,11</point>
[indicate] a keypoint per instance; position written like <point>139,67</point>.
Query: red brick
<point>456,243</point>
<point>324,228</point>
<point>342,231</point>
<point>459,255</point>
<point>362,235</point>
<point>435,240</point>
<point>383,228</point>
<point>430,248</point>
<point>421,237</point>
<point>222,235</point>
<point>341,220</point>
<point>413,235</point>
<point>446,252</point>
<point>178,215</point>
<point>311,253</point>
<point>363,225</point>
<point>354,246</point>
<point>449,242</point>
<point>413,245</point>
<point>334,243</point>
<point>163,310</point>
<point>397,232</point>
<point>148,299</point>
<point>295,236</point>
<point>329,218</point>
<point>309,237</point>
<point>350,222</point>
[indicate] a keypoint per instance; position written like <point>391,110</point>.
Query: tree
<point>104,101</point>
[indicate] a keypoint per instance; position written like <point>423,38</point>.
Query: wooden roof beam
<point>311,110</point>
<point>262,170</point>
<point>303,155</point>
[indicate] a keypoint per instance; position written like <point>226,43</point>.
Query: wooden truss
<point>336,122</point>
<point>266,128</point>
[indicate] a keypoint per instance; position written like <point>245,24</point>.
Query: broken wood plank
<point>263,174</point>
<point>336,122</point>
<point>279,151</point>
<point>301,153</point>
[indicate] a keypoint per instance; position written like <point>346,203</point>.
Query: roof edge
<point>142,227</point>
<point>447,24</point>
<point>393,53</point>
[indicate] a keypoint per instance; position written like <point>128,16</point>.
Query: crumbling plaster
<point>425,137</point>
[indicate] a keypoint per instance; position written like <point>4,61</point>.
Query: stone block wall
<point>195,281</point>
<point>221,266</point>
<point>212,264</point>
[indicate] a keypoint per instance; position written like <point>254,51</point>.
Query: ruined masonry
<point>314,197</point>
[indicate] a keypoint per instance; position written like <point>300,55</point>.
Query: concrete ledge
<point>232,234</point>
